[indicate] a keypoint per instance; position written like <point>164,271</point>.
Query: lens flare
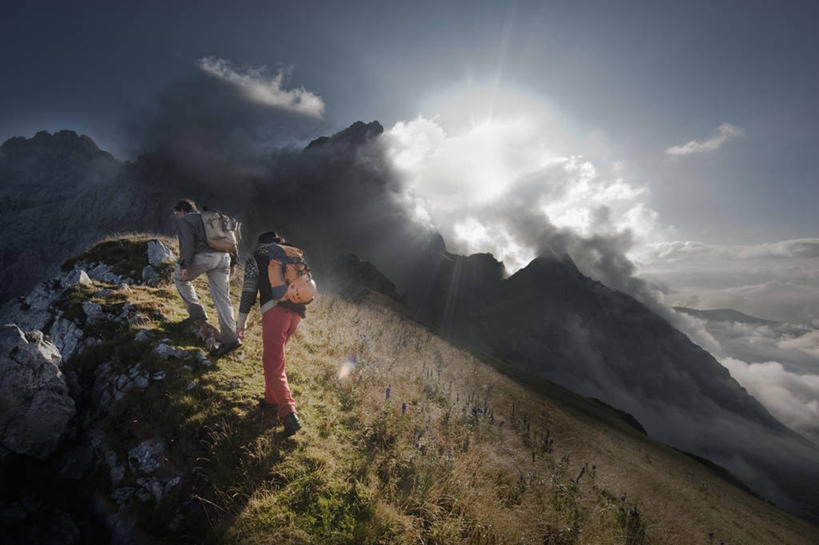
<point>346,368</point>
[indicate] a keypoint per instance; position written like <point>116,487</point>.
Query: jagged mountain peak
<point>355,135</point>
<point>60,143</point>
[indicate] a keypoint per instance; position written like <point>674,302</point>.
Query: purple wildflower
<point>404,408</point>
<point>387,393</point>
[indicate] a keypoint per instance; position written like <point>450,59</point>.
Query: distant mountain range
<point>725,315</point>
<point>339,196</point>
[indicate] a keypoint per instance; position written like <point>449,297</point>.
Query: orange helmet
<point>302,289</point>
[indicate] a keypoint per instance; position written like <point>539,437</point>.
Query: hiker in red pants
<point>277,272</point>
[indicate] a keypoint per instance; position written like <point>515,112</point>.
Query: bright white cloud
<point>725,132</point>
<point>256,86</point>
<point>777,363</point>
<point>498,185</point>
<point>465,178</point>
<point>792,398</point>
<point>777,281</point>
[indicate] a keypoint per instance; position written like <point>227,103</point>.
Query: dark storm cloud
<point>223,125</point>
<point>235,141</point>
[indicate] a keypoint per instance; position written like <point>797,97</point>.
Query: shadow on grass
<point>217,437</point>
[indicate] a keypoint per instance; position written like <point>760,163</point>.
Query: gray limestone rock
<point>202,359</point>
<point>35,407</point>
<point>138,320</point>
<point>141,381</point>
<point>102,272</point>
<point>93,311</point>
<point>150,275</point>
<point>122,381</point>
<point>102,392</point>
<point>167,352</point>
<point>143,335</point>
<point>74,277</point>
<point>66,336</point>
<point>159,254</point>
<point>155,487</point>
<point>147,456</point>
<point>33,311</point>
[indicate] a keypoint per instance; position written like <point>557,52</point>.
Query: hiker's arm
<point>250,288</point>
<point>234,258</point>
<point>187,241</point>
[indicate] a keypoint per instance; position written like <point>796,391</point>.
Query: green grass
<point>474,458</point>
<point>125,254</point>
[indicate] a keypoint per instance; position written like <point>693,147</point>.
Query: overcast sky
<point>711,105</point>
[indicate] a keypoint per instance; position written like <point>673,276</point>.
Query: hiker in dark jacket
<point>195,258</point>
<point>280,318</point>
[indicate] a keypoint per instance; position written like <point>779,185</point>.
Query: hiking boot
<point>192,320</point>
<point>291,424</point>
<point>227,347</point>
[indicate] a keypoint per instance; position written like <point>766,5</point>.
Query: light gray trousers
<point>217,266</point>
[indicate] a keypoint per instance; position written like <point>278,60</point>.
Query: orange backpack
<point>284,272</point>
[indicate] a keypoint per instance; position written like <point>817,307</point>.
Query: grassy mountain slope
<point>407,439</point>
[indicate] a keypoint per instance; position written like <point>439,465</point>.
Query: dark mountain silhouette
<point>59,194</point>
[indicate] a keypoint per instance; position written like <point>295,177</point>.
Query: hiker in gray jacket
<point>195,258</point>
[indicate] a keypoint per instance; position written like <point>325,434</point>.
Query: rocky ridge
<point>52,408</point>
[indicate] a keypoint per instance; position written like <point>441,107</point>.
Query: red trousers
<point>278,324</point>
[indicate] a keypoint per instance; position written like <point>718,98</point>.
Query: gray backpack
<point>222,232</point>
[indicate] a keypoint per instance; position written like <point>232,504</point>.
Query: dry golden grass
<point>460,453</point>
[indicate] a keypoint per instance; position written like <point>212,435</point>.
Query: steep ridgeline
<point>340,195</point>
<point>551,320</point>
<point>60,193</point>
<point>117,427</point>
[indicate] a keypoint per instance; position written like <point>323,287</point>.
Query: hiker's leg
<point>219,282</point>
<point>269,356</point>
<point>188,294</point>
<point>277,326</point>
<point>292,325</point>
